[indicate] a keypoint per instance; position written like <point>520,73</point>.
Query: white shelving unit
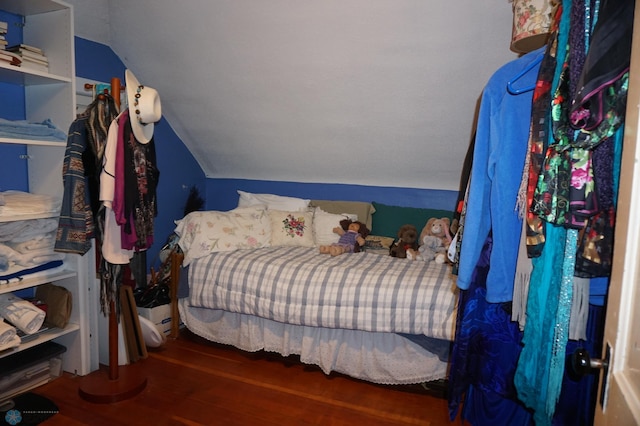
<point>48,24</point>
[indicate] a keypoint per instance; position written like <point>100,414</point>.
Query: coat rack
<point>118,382</point>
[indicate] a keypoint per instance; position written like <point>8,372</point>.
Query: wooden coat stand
<point>116,383</point>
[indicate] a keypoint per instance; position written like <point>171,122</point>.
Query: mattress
<point>298,286</point>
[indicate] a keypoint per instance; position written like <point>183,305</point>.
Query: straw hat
<point>144,107</point>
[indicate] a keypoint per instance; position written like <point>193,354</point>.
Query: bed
<point>247,282</point>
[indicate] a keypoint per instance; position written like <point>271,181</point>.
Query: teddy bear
<point>434,241</point>
<point>352,235</point>
<point>430,248</point>
<point>407,241</point>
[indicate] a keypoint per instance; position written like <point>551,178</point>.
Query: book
<point>10,57</point>
<point>30,55</point>
<point>34,65</point>
<point>27,53</point>
<point>35,60</point>
<point>18,47</point>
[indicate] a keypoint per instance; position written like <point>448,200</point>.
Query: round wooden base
<point>97,387</point>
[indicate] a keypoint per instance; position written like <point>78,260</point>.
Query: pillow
<point>362,210</point>
<point>205,232</point>
<point>323,224</point>
<point>291,228</point>
<point>387,220</point>
<point>272,201</point>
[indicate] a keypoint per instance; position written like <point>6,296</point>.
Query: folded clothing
<point>7,333</point>
<point>20,231</point>
<point>10,258</point>
<point>23,129</point>
<point>12,343</point>
<point>24,315</point>
<point>20,203</point>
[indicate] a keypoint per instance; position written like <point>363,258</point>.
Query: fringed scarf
<point>532,373</point>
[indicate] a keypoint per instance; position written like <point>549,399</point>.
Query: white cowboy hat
<point>144,107</point>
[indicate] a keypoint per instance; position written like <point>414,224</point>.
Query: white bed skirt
<point>385,358</point>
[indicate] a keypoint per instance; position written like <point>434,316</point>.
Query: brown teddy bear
<point>352,235</point>
<point>407,242</point>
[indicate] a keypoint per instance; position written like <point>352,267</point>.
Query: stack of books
<point>3,34</point>
<point>7,57</point>
<point>32,57</point>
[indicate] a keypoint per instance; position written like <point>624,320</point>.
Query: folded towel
<point>24,230</point>
<point>22,314</point>
<point>7,333</point>
<point>10,258</point>
<point>23,129</point>
<point>15,341</point>
<point>36,243</point>
<point>20,202</point>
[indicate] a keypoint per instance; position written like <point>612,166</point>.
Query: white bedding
<point>384,358</point>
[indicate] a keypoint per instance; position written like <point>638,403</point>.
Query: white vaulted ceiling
<point>377,92</point>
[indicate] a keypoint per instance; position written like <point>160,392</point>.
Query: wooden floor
<point>194,382</point>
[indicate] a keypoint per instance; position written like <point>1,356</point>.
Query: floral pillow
<point>291,228</point>
<point>205,232</point>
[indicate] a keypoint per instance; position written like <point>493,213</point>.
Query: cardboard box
<point>160,316</point>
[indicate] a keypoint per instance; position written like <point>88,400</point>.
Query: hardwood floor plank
<point>193,382</point>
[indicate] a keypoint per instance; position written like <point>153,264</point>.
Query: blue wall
<point>13,166</point>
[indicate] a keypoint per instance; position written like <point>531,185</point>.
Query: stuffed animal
<point>407,242</point>
<point>438,228</point>
<point>430,248</point>
<point>434,240</point>
<point>352,235</point>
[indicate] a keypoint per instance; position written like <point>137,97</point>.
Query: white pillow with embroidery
<point>291,228</point>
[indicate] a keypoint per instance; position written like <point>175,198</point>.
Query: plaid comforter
<point>297,285</point>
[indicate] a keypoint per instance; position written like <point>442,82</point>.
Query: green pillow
<point>387,220</point>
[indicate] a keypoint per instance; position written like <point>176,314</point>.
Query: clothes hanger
<point>516,91</point>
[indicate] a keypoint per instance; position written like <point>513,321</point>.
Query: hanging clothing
<point>112,250</point>
<point>599,105</point>
<point>81,176</point>
<point>128,190</point>
<point>484,356</point>
<point>499,156</point>
<point>141,176</point>
<point>567,195</point>
<point>76,224</point>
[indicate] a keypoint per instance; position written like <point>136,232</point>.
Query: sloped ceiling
<point>376,92</point>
